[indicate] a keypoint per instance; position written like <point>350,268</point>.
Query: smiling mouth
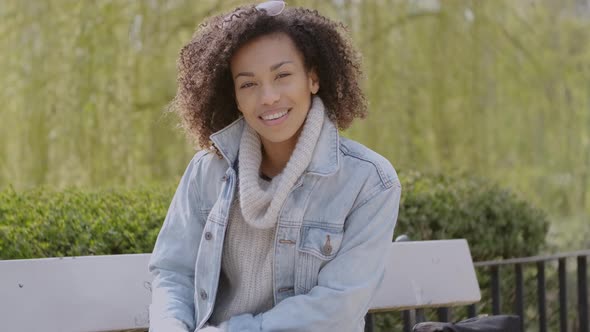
<point>275,115</point>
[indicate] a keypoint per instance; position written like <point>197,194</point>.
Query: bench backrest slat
<point>422,274</point>
<point>105,293</point>
<point>90,293</point>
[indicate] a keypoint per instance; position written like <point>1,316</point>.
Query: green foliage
<point>496,223</point>
<point>44,223</point>
<point>73,222</point>
<point>493,88</point>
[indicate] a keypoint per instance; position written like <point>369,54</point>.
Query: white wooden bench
<point>109,293</point>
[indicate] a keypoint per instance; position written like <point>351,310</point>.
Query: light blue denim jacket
<point>332,234</point>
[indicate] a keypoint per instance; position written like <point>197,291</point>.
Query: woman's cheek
<point>245,97</point>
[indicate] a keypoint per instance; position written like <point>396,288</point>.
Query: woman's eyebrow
<point>272,68</point>
<point>246,73</point>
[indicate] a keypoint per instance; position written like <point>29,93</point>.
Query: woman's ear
<point>314,81</point>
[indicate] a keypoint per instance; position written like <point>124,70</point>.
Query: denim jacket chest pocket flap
<point>321,242</point>
<point>317,246</point>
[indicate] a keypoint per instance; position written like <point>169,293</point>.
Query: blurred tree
<point>494,88</point>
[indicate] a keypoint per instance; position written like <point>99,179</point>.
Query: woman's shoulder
<point>358,158</point>
<point>207,157</point>
<point>207,163</point>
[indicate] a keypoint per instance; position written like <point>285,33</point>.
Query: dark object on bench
<point>499,323</point>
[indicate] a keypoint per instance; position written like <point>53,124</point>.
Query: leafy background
<point>497,89</point>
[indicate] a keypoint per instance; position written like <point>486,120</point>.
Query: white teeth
<point>274,116</point>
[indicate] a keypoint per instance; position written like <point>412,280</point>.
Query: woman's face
<point>272,87</point>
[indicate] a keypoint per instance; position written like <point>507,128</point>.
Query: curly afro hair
<point>205,97</point>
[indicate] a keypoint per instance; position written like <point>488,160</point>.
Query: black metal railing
<point>496,268</point>
<point>541,262</point>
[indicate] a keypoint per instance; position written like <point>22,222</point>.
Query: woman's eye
<point>246,85</point>
<point>281,75</point>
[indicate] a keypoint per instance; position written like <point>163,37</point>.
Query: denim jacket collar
<point>325,160</point>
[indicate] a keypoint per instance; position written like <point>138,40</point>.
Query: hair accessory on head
<point>272,8</point>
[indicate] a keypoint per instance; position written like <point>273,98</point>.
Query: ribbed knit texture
<point>245,285</point>
<point>261,207</point>
<point>246,279</point>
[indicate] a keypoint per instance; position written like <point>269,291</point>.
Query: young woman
<point>282,224</point>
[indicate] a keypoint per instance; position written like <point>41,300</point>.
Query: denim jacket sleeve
<point>346,284</point>
<point>172,263</point>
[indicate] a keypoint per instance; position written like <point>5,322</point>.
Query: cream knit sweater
<point>246,279</point>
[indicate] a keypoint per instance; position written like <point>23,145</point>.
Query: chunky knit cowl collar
<point>260,203</point>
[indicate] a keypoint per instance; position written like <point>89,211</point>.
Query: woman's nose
<point>269,95</point>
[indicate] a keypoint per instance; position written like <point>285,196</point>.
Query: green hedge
<point>44,223</point>
<point>495,222</point>
<point>74,222</point>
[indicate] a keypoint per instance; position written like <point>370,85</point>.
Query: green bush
<point>74,222</point>
<point>495,222</point>
<point>45,223</point>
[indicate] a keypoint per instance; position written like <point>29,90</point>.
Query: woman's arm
<point>346,284</point>
<point>173,259</point>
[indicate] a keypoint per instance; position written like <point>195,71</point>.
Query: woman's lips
<point>275,117</point>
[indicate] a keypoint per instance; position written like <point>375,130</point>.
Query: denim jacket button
<point>208,236</point>
<point>203,295</point>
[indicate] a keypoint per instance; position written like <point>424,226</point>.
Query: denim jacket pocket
<point>317,246</point>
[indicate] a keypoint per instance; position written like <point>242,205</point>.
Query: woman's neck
<point>276,155</point>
